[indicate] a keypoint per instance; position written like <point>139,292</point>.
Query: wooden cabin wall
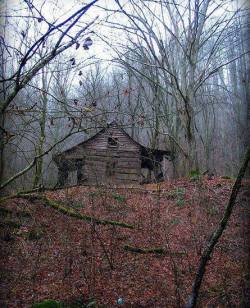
<point>100,141</point>
<point>97,154</point>
<point>127,166</point>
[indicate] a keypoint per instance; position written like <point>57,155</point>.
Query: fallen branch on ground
<point>72,213</point>
<point>21,193</point>
<point>160,251</point>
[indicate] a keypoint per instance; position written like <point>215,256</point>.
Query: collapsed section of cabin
<point>109,157</point>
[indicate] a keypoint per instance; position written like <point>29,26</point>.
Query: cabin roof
<point>144,150</point>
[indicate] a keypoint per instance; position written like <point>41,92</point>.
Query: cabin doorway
<point>71,172</point>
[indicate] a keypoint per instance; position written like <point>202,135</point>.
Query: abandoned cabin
<point>110,157</point>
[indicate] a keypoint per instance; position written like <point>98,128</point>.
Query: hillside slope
<point>46,254</point>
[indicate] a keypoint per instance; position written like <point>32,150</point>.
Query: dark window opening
<point>112,141</point>
<point>110,168</point>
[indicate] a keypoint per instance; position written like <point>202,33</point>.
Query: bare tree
<point>21,64</point>
<point>181,41</point>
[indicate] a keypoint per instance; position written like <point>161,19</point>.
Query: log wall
<point>98,156</point>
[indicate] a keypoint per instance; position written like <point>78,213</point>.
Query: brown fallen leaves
<point>46,254</point>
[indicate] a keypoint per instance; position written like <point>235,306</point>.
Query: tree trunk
<point>39,162</point>
<point>2,135</point>
<point>206,255</point>
<point>245,34</point>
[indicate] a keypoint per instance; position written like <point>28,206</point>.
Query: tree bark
<point>206,255</point>
<point>42,137</point>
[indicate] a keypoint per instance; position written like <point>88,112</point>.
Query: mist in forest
<point>174,75</point>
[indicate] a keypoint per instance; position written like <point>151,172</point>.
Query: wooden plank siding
<point>110,156</point>
<point>97,155</point>
<point>100,141</point>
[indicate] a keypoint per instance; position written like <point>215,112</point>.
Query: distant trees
<point>34,43</point>
<point>177,78</point>
<point>178,48</point>
<point>244,67</point>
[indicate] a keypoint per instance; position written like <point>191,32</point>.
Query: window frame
<point>112,142</point>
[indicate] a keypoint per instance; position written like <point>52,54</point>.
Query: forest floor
<point>48,255</point>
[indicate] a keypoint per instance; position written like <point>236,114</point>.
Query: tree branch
<point>56,51</point>
<point>206,255</point>
<point>32,164</point>
<point>72,213</point>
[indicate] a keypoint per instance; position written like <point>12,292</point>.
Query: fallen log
<point>160,251</point>
<point>72,213</point>
<point>21,193</point>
